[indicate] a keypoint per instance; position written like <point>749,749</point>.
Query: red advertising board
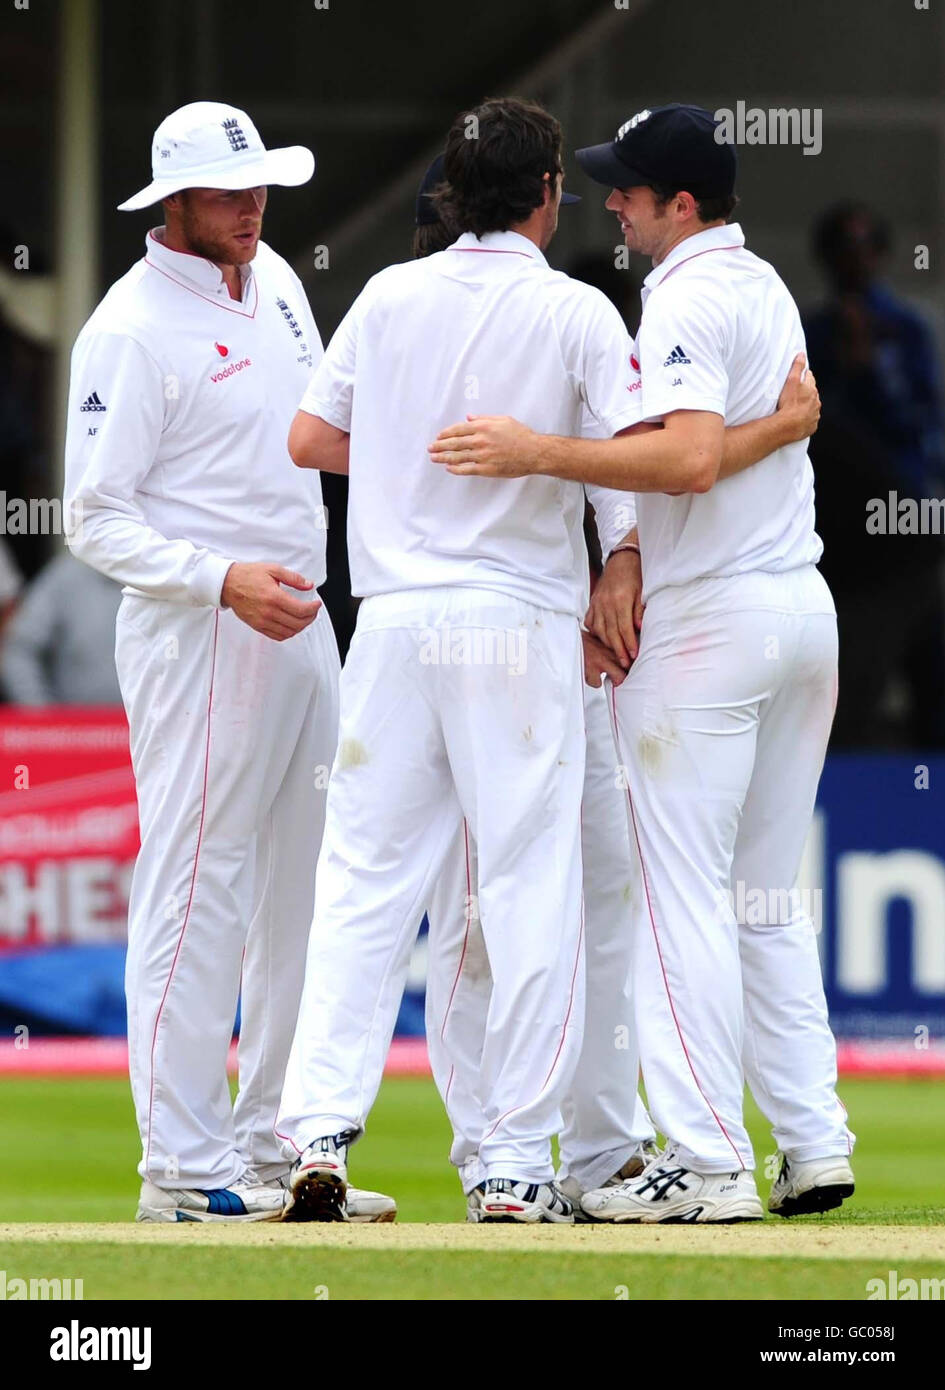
<point>68,826</point>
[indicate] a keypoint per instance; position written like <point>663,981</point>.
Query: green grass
<point>900,1127</point>
<point>111,1271</point>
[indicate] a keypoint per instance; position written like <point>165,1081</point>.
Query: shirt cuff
<point>623,421</point>
<point>206,583</point>
<point>658,406</point>
<point>310,405</point>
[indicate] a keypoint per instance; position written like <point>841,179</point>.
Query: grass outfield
<point>900,1127</point>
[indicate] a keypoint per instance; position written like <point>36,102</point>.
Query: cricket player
<point>605,1132</point>
<point>724,718</point>
<point>184,383</point>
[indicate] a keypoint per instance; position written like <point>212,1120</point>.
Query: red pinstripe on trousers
<point>193,884</point>
<point>659,952</point>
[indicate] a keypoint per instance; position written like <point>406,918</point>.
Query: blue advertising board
<point>873,879</point>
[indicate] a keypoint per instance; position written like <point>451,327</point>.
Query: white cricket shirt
<point>484,327</point>
<point>719,332</point>
<point>180,404</point>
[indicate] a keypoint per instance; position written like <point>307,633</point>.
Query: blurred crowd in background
<point>882,431</point>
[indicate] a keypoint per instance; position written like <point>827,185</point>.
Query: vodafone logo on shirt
<point>232,369</point>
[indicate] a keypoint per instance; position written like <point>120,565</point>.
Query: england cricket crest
<point>633,122</point>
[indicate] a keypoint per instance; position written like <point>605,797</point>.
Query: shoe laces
<point>339,1143</point>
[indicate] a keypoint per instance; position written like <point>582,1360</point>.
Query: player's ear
<point>687,204</point>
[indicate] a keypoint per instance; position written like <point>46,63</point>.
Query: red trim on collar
<point>737,246</point>
<point>230,306</point>
<point>489,251</point>
<point>175,252</point>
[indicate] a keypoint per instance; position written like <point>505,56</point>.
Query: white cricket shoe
<point>634,1166</point>
<point>667,1192</point>
<point>247,1199</point>
<point>506,1199</point>
<point>474,1203</point>
<point>820,1184</point>
<point>363,1206</point>
<point>318,1182</point>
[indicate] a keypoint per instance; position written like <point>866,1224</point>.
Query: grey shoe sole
<point>175,1214</point>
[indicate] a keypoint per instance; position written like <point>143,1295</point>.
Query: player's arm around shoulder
<point>795,418</point>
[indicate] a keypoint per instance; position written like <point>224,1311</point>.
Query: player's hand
<point>799,402</point>
<point>487,446</point>
<point>254,594</point>
<point>615,615</point>
<point>599,661</point>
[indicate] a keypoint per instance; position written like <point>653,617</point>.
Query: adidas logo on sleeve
<point>678,358</point>
<point>93,403</point>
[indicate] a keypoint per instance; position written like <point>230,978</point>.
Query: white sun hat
<point>208,144</point>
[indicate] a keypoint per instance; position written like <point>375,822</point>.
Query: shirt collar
<point>195,270</point>
<point>508,244</point>
<point>712,239</point>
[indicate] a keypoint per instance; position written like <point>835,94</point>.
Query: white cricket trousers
<point>455,703</point>
<point>723,724</point>
<point>232,737</point>
<point>603,1117</point>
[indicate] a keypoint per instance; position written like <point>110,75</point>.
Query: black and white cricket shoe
<point>318,1182</point>
<point>667,1192</point>
<point>506,1199</point>
<point>820,1184</point>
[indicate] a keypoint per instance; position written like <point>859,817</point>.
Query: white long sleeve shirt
<point>180,404</point>
<point>486,327</point>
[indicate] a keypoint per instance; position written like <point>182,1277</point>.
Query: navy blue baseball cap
<point>673,146</point>
<point>426,209</point>
<point>427,214</point>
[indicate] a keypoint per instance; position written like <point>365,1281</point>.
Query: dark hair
<point>832,230</point>
<point>707,209</point>
<point>430,237</point>
<point>495,160</point>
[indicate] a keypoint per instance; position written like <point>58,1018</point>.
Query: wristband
<point>626,545</point>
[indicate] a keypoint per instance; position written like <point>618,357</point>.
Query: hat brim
<point>289,166</point>
<point>600,162</point>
